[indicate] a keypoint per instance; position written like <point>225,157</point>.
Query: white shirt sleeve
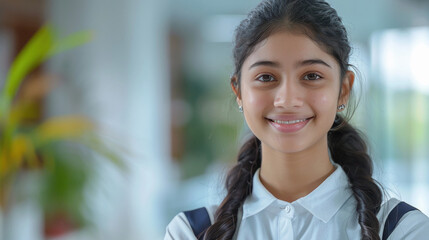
<point>413,225</point>
<point>179,229</point>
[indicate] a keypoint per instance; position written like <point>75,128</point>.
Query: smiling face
<point>290,91</point>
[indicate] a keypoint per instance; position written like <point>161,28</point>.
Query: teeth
<point>289,122</point>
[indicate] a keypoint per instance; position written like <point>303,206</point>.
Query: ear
<point>346,87</point>
<point>235,88</point>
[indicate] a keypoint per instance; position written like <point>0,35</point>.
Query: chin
<point>288,148</point>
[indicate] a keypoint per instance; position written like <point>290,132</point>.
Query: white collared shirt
<point>328,212</point>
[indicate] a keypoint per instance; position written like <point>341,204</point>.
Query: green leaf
<point>41,47</point>
<point>72,41</point>
<point>29,58</point>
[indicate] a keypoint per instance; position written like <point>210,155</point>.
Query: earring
<point>240,108</point>
<point>341,107</point>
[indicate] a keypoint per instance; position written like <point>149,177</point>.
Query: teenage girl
<point>306,173</point>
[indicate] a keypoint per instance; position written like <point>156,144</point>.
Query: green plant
<point>60,147</point>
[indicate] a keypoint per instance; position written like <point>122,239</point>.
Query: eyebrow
<point>265,63</point>
<point>313,61</point>
<point>298,64</point>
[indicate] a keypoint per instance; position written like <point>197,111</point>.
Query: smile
<point>289,126</point>
<point>289,122</point>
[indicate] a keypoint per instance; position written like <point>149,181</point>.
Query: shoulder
<point>413,225</point>
<point>179,227</point>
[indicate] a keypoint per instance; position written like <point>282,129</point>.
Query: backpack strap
<point>199,220</point>
<point>394,216</point>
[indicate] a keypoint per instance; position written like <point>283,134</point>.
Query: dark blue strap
<point>394,216</point>
<point>199,220</point>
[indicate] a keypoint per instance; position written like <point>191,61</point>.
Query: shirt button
<point>287,209</point>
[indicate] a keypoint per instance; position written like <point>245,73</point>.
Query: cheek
<point>324,102</point>
<point>255,100</point>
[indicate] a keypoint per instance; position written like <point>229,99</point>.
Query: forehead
<point>288,48</point>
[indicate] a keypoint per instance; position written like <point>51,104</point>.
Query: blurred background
<point>141,122</point>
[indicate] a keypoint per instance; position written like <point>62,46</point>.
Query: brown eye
<point>265,78</point>
<point>312,76</point>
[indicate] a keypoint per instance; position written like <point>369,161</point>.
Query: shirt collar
<point>259,199</point>
<point>323,202</point>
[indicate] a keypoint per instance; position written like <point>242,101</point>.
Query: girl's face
<point>290,91</point>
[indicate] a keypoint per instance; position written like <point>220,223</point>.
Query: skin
<point>290,76</point>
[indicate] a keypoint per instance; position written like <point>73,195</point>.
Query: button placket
<point>287,210</point>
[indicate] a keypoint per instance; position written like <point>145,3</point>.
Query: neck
<point>290,176</point>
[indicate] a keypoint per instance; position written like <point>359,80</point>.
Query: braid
<point>239,184</point>
<point>349,150</point>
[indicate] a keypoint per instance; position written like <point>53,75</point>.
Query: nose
<point>288,95</point>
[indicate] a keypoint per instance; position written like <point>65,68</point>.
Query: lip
<point>288,117</point>
<point>289,128</point>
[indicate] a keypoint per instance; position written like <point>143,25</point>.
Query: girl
<point>305,174</point>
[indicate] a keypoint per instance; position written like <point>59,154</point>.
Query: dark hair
<point>319,21</point>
